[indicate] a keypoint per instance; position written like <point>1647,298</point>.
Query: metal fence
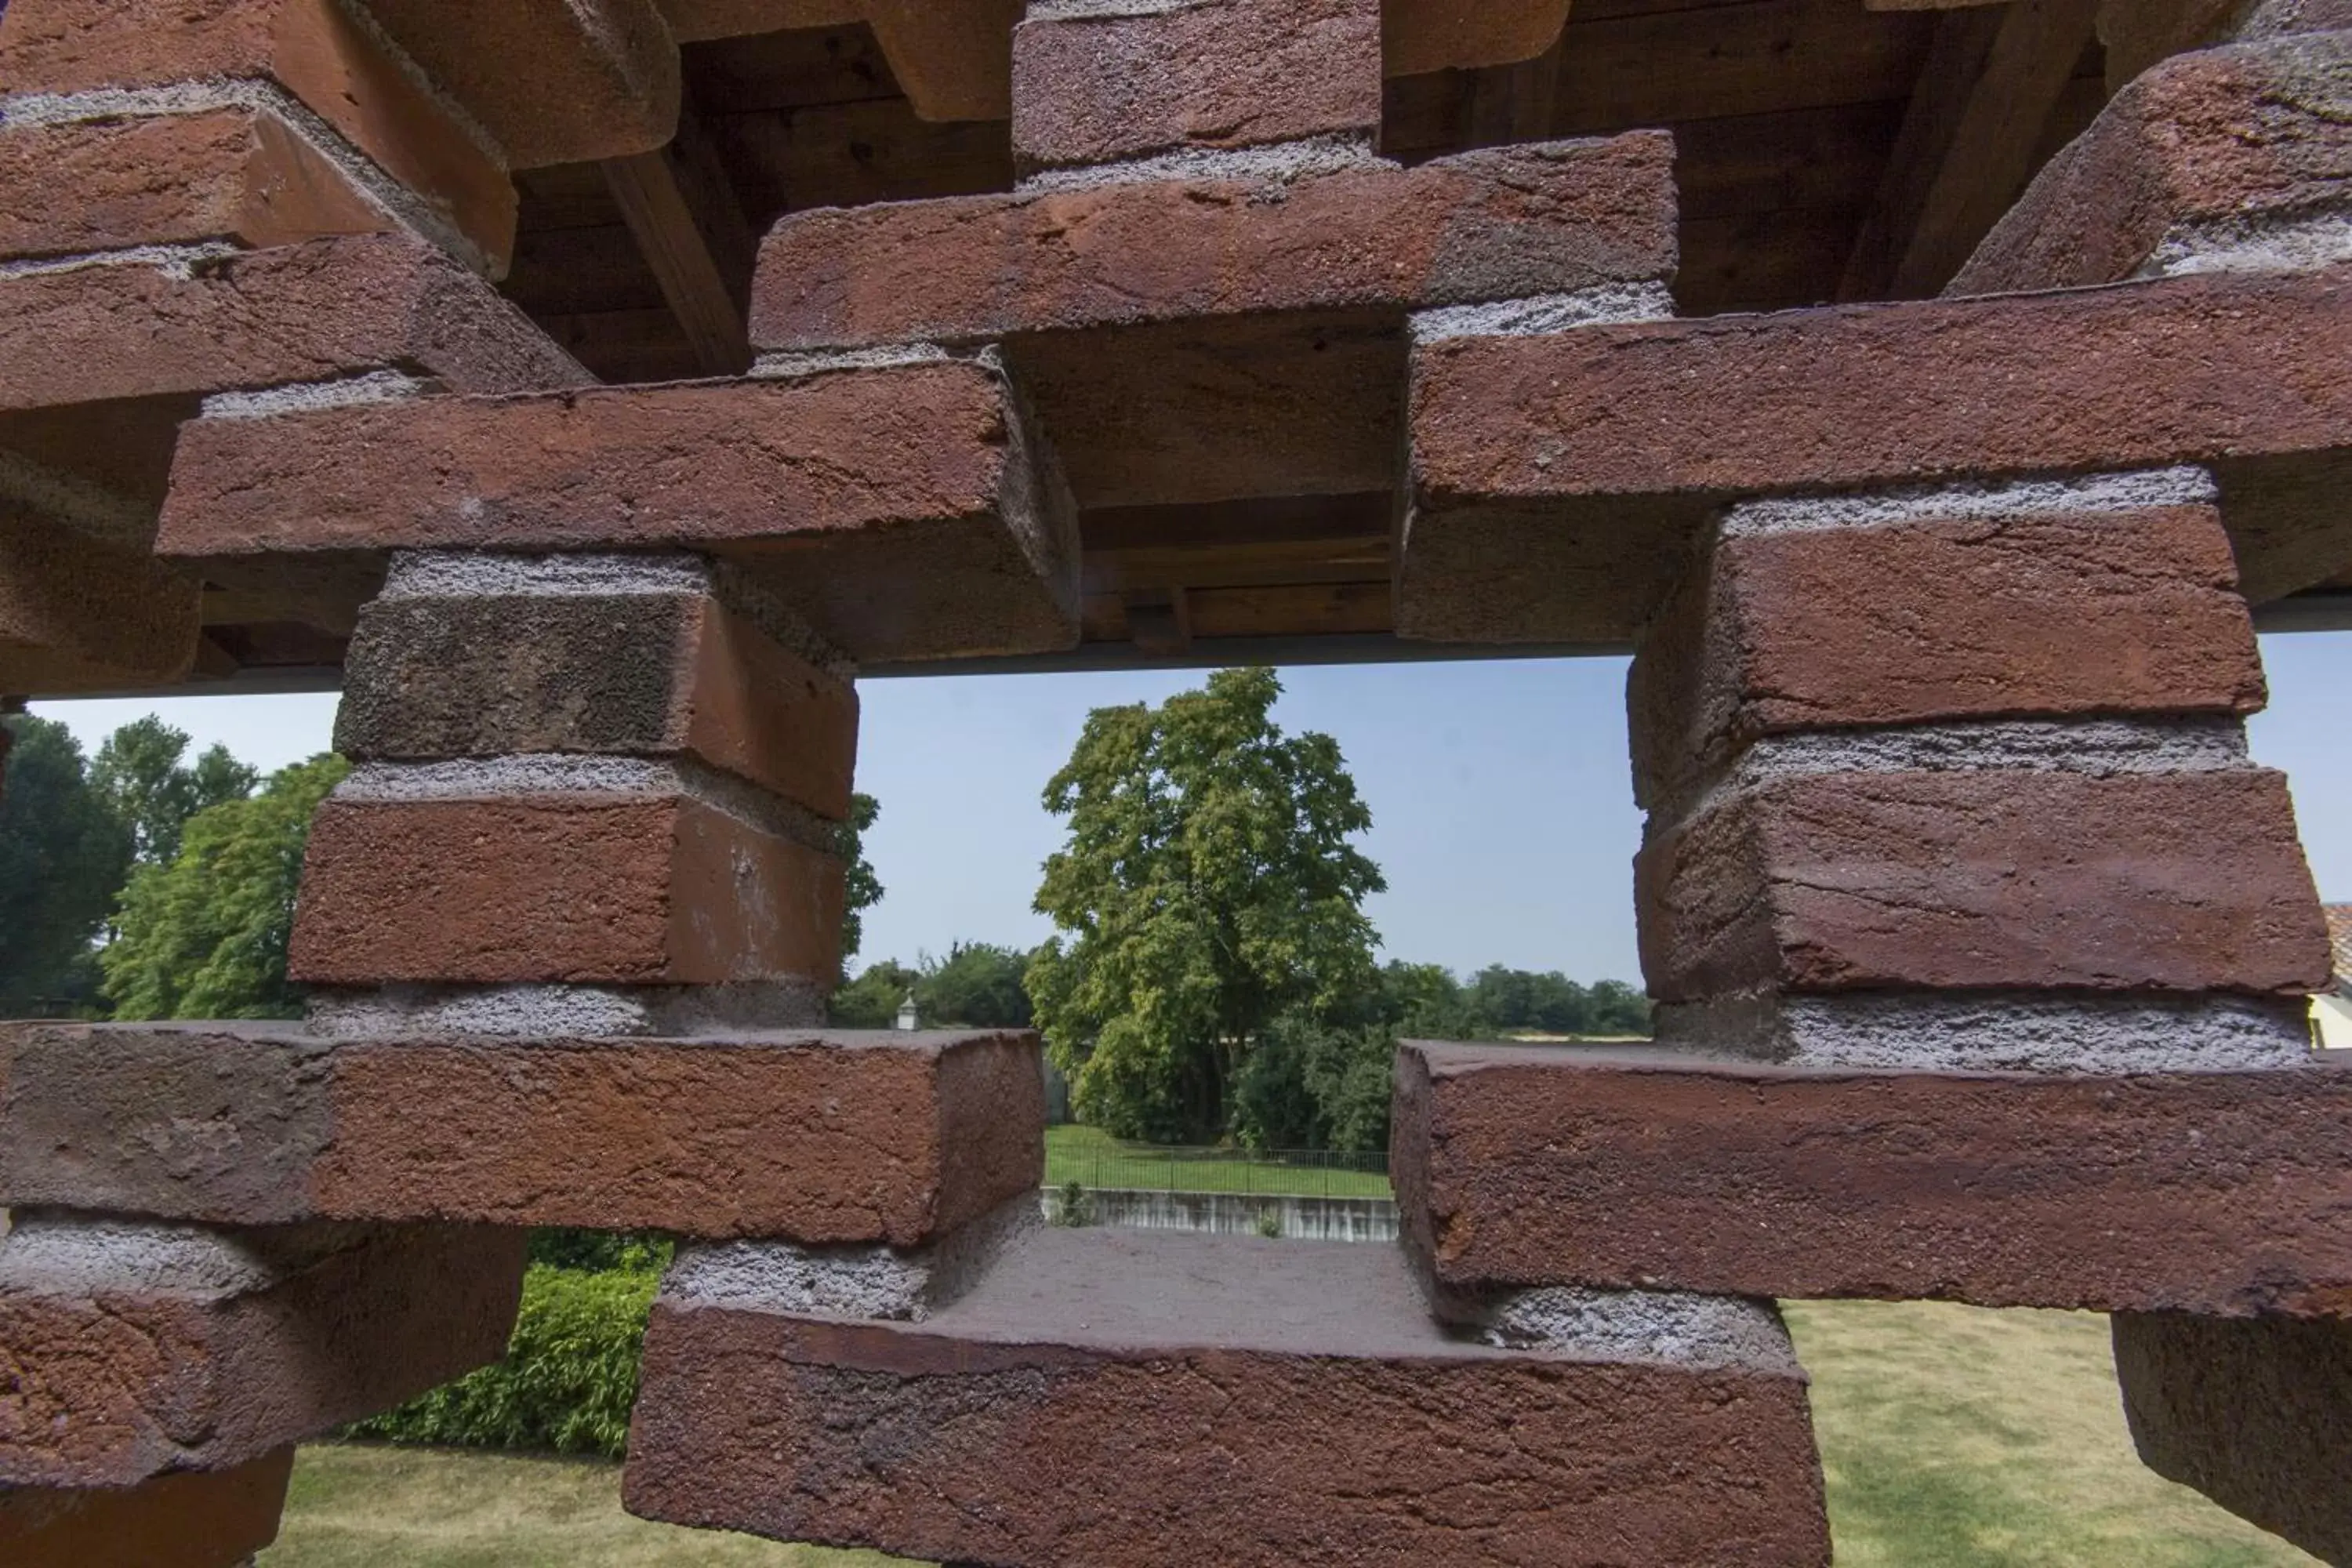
<point>1303,1173</point>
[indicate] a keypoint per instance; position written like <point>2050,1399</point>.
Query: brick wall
<point>1980,944</point>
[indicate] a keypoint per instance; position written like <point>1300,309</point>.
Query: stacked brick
<point>1201,187</point>
<point>2230,160</point>
<point>1977,939</point>
<point>595,805</point>
<point>226,208</point>
<point>1981,946</point>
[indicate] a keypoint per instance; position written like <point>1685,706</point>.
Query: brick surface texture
<point>401,347</point>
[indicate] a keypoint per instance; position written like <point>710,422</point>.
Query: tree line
<point>1211,975</point>
<point>142,883</point>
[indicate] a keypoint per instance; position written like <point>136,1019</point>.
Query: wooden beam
<point>683,213</point>
<point>1991,82</point>
<point>1514,102</point>
<point>1161,623</point>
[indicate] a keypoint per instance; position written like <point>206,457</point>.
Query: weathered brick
<point>1555,479</point>
<point>1096,89</point>
<point>618,888</point>
<point>177,179</point>
<point>940,528</point>
<point>1838,881</point>
<point>2042,614</point>
<point>2228,136</point>
<point>1055,1415</point>
<point>83,614</point>
<point>2257,1416</point>
<point>135,1351</point>
<point>315,49</point>
<point>2213,1192</point>
<point>2139,34</point>
<point>2180,370</point>
<point>194,1520</point>
<point>640,674</point>
<point>293,313</point>
<point>822,1139</point>
<point>1498,224</point>
<point>553,84</point>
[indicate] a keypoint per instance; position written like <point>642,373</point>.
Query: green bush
<point>568,1380</point>
<point>1078,1210</point>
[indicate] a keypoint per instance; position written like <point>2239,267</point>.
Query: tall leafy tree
<point>1207,888</point>
<point>204,936</point>
<point>63,856</point>
<point>978,985</point>
<point>142,774</point>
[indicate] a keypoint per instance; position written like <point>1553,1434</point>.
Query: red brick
<point>179,179</point>
<point>1498,224</point>
<point>1235,408</point>
<point>1108,1396</point>
<point>2175,371</point>
<point>2190,881</point>
<point>117,1378</point>
<point>2254,1414</point>
<point>641,674</point>
<point>553,84</point>
<point>2231,134</point>
<point>2211,1192</point>
<point>1555,479</point>
<point>313,48</point>
<point>584,889</point>
<point>1227,73</point>
<point>820,1139</point>
<point>2039,614</point>
<point>294,314</point>
<point>199,1519</point>
<point>79,614</point>
<point>896,511</point>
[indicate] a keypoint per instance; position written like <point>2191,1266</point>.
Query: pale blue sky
<point>1502,812</point>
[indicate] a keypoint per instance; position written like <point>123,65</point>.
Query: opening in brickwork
<point>2296,734</point>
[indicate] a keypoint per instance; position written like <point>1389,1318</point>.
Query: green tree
<point>1424,1002</point>
<point>864,888</point>
<point>871,1001</point>
<point>142,772</point>
<point>63,857</point>
<point>206,935</point>
<point>1207,888</point>
<point>977,986</point>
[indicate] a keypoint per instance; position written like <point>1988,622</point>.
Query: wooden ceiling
<point>1786,113</point>
<point>1826,151</point>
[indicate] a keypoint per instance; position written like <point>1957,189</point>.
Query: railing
<point>1281,1173</point>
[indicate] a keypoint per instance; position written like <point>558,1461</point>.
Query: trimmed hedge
<point>568,1381</point>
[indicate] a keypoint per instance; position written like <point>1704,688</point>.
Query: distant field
<point>1092,1158</point>
<point>1952,1439</point>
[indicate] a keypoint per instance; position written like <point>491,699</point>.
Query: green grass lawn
<point>1093,1158</point>
<point>1952,1439</point>
<point>1955,1438</point>
<point>356,1506</point>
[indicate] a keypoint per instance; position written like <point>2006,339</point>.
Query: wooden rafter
<point>1986,96</point>
<point>684,215</point>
